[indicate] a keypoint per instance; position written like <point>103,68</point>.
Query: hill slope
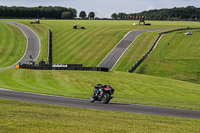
<point>89,46</point>
<point>176,56</point>
<point>12,44</point>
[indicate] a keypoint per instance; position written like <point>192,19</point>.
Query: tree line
<point>48,12</point>
<point>83,15</point>
<point>37,12</point>
<point>190,13</point>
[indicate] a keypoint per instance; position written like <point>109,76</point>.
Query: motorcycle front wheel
<point>92,99</point>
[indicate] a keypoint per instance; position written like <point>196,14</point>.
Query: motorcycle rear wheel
<point>106,98</point>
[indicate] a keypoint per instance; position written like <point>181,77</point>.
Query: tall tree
<point>121,15</point>
<point>91,15</point>
<point>82,14</point>
<point>114,16</point>
<point>73,12</point>
<point>66,15</point>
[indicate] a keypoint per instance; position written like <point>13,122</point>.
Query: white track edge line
<point>26,44</point>
<point>129,46</point>
<point>114,47</point>
<point>124,52</point>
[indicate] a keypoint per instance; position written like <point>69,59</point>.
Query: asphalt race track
<point>112,58</point>
<point>33,43</point>
<point>33,49</point>
<point>81,103</point>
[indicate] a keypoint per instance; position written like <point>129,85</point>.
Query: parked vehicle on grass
<point>188,33</point>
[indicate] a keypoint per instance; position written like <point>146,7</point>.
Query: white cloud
<point>150,7</point>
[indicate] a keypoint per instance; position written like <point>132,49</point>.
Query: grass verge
<point>25,117</point>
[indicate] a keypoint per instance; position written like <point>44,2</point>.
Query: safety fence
<point>133,68</point>
<point>63,67</point>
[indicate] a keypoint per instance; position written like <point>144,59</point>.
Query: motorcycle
<point>102,93</point>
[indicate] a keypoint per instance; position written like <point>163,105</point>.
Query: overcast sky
<point>105,8</point>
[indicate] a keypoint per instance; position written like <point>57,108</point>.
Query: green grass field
<point>29,117</point>
<point>12,44</point>
<point>130,88</point>
<point>84,46</point>
<point>176,56</point>
<point>148,87</point>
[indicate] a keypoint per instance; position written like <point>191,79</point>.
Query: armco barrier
<point>27,66</point>
<point>63,67</point>
<point>82,68</point>
<point>133,68</point>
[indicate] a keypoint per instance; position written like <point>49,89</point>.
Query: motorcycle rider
<point>102,93</point>
<point>106,87</point>
<point>102,88</point>
<point>98,88</point>
<point>99,85</point>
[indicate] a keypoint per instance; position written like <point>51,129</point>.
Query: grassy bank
<point>130,88</point>
<point>139,47</point>
<point>176,56</point>
<point>29,117</point>
<point>12,44</point>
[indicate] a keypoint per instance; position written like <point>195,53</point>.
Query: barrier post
<point>49,52</point>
